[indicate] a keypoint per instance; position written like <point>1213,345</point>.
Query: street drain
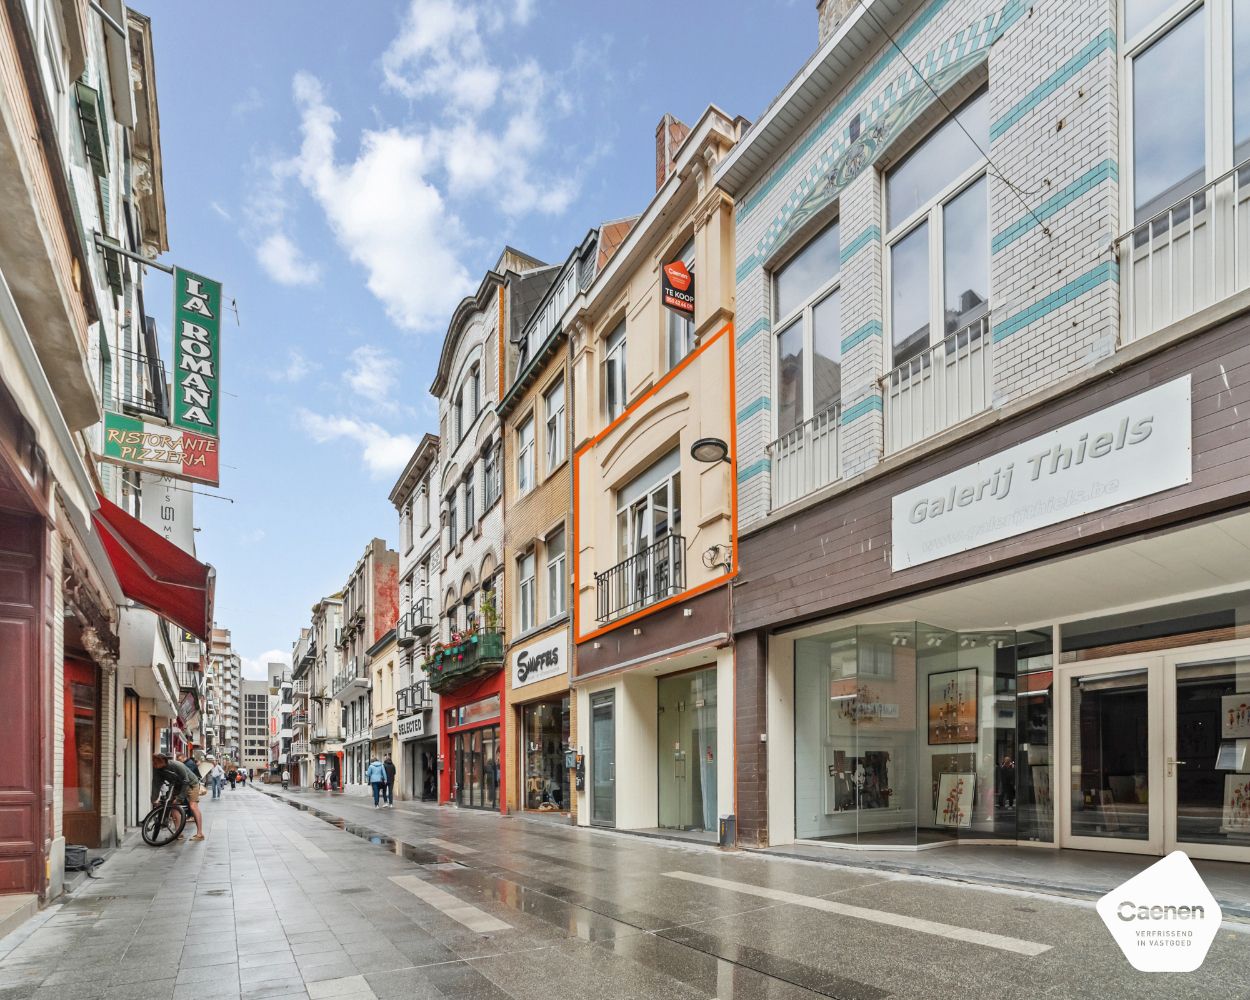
<point>443,866</point>
<point>216,892</point>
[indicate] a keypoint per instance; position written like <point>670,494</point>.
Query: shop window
<point>546,728</point>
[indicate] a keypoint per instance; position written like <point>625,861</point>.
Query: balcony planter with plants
<point>471,653</point>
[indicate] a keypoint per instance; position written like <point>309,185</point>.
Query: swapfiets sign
<point>1135,448</point>
<point>548,657</point>
<point>1164,919</point>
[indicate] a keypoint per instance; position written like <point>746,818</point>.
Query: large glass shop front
<point>1136,737</point>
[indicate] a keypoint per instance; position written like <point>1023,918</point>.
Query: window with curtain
<point>614,381</point>
<point>526,609</point>
<point>553,405</point>
<point>557,585</point>
<point>525,455</point>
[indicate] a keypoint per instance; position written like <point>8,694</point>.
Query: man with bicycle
<point>186,787</point>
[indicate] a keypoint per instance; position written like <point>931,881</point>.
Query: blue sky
<point>349,170</point>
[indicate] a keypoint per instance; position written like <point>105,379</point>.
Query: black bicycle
<point>165,822</point>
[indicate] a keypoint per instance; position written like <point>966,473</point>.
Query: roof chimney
<point>669,135</point>
<point>829,14</point>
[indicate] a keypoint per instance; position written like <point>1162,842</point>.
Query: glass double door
<point>1155,752</point>
<point>477,767</point>
<point>603,758</point>
<point>687,751</point>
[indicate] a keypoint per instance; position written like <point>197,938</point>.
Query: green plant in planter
<point>490,613</point>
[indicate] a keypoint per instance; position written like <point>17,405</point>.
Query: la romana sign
<point>197,353</point>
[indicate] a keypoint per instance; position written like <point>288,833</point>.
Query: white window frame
<point>930,212</point>
<point>615,352</point>
<point>1218,24</point>
<point>469,497</point>
<point>527,586</point>
<point>557,574</point>
<point>803,313</point>
<point>494,485</point>
<point>627,508</point>
<point>555,426</point>
<point>525,455</point>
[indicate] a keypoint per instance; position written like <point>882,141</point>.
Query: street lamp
<point>710,451</point>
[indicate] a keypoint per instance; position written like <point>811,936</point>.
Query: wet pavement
<point>333,900</point>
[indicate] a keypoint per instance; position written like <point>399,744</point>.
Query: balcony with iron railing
<point>806,458</point>
<point>645,578</point>
<point>415,624</point>
<point>303,686</point>
<point>471,652</point>
<point>300,749</point>
<point>1191,255</point>
<point>412,699</point>
<point>938,388</point>
<point>139,382</point>
<point>353,676</point>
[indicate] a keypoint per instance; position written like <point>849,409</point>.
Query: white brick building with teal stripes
<point>972,263</point>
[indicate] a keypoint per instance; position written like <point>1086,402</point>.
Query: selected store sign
<point>677,287</point>
<point>1133,449</point>
<point>411,728</point>
<point>539,660</point>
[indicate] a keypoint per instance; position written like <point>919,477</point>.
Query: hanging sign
<point>166,508</point>
<point>197,352</point>
<point>677,287</point>
<point>159,449</point>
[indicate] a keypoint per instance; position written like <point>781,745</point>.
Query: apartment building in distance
<point>993,469</point>
<point>224,681</point>
<point>254,752</point>
<point>325,714</point>
<point>370,610</point>
<point>652,551</point>
<point>416,497</point>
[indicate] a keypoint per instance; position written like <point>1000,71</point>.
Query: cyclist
<point>186,787</point>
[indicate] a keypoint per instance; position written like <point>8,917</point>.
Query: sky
<point>349,170</point>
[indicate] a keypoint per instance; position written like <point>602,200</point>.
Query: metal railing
<point>415,624</point>
<point>413,698</point>
<point>140,382</point>
<point>353,674</point>
<point>940,387</point>
<point>1191,255</point>
<point>302,685</point>
<point>805,458</point>
<point>648,576</point>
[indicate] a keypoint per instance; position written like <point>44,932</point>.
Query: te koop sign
<point>1130,450</point>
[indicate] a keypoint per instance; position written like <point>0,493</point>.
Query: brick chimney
<point>829,14</point>
<point>669,135</point>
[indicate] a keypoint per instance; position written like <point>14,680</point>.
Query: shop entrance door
<point>603,758</point>
<point>477,768</point>
<point>1154,753</point>
<point>687,750</point>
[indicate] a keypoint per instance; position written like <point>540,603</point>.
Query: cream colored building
<point>654,541</point>
<point>384,668</point>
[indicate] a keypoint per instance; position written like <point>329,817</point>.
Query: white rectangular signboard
<point>548,657</point>
<point>1129,450</point>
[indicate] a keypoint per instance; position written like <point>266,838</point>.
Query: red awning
<point>156,573</point>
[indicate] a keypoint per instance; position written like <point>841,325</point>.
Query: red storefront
<point>473,737</point>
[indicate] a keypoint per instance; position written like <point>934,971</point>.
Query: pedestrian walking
<point>243,777</point>
<point>232,775</point>
<point>388,765</point>
<point>286,778</point>
<point>375,774</point>
<point>217,778</point>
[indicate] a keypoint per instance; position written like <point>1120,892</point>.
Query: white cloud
<point>297,367</point>
<point>372,373</point>
<point>285,262</point>
<point>439,53</point>
<point>257,667</point>
<point>384,453</point>
<point>385,213</point>
<point>216,207</point>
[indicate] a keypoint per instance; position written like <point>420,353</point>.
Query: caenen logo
<point>1164,919</point>
<point>677,275</point>
<point>527,665</point>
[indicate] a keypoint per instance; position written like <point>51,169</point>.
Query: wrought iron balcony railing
<point>415,624</point>
<point>463,659</point>
<point>645,578</point>
<point>413,699</point>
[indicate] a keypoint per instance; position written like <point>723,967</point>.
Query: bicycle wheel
<point>163,825</point>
